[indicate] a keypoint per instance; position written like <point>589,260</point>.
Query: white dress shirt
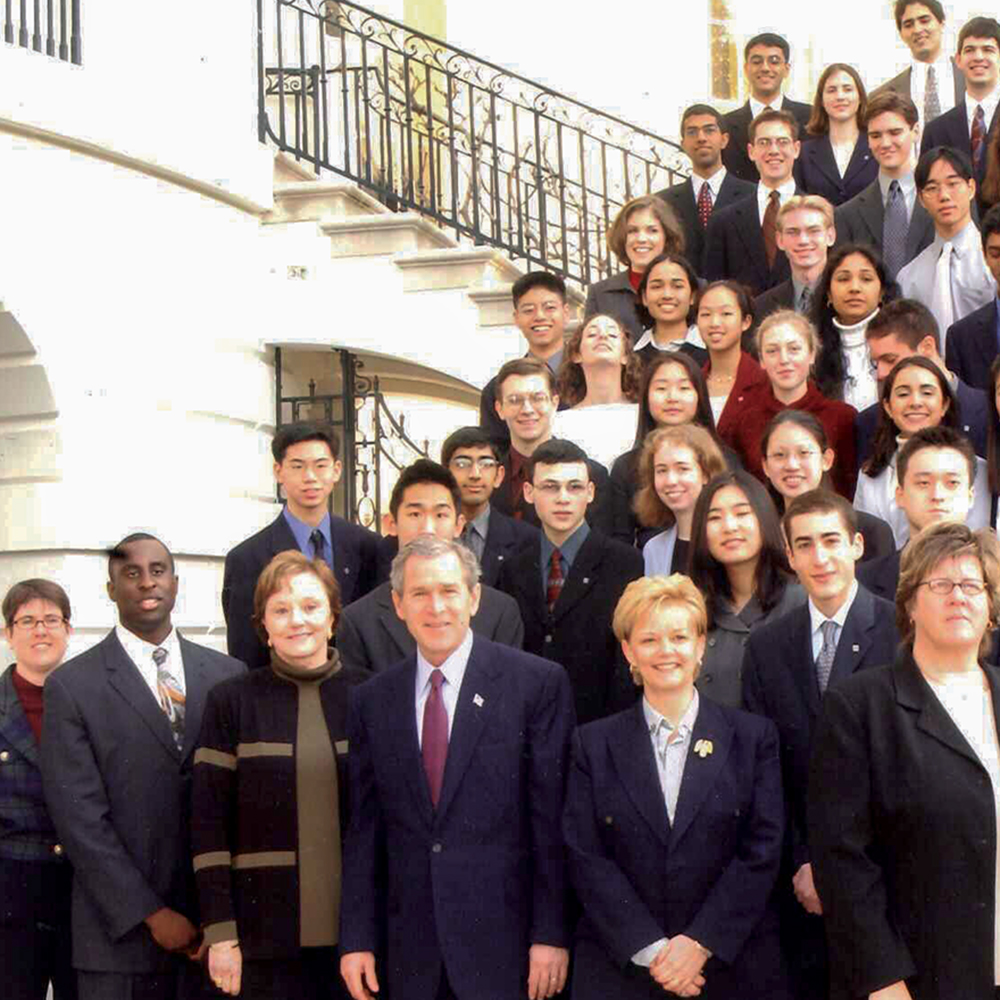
<point>907,184</point>
<point>453,669</point>
<point>989,105</point>
<point>944,70</point>
<point>817,619</point>
<point>140,653</point>
<point>756,107</point>
<point>714,184</point>
<point>693,336</point>
<point>786,191</point>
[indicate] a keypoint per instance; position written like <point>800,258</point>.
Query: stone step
<point>383,235</point>
<point>455,267</point>
<point>311,201</point>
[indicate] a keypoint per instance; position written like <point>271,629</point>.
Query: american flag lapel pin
<point>477,700</point>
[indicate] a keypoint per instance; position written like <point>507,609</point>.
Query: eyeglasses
<point>27,623</point>
<point>536,399</point>
<point>463,464</point>
<point>943,587</point>
<point>784,144</point>
<point>952,186</point>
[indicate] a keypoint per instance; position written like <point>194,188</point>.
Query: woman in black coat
<point>904,787</point>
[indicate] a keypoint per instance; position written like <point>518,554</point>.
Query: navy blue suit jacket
<point>952,129</point>
<point>816,169</point>
<point>971,346</point>
<point>504,536</point>
<point>709,874</point>
<point>356,565</point>
<point>475,882</point>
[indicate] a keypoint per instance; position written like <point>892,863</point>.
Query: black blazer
<point>734,248</point>
<point>356,564</point>
<point>577,634</point>
<point>709,874</point>
<point>735,155</point>
<point>860,221</point>
<point>118,790</point>
<point>952,129</point>
<point>971,346</point>
<point>902,830</point>
<point>471,884</point>
<point>816,169</point>
<point>780,297</point>
<point>504,536</point>
<point>680,197</point>
<point>878,537</point>
<point>881,576</point>
<point>372,637</point>
<point>615,297</point>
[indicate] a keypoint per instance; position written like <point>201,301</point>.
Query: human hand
<point>897,991</point>
<point>225,966</point>
<point>171,930</point>
<point>547,969</point>
<point>358,971</point>
<point>677,968</point>
<point>805,890</point>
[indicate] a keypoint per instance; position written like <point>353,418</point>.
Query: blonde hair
<point>788,317</point>
<point>806,203</point>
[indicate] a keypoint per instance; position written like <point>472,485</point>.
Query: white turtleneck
<point>860,387</point>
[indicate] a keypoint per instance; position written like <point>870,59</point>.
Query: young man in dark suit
<point>568,583</point>
<point>120,726</point>
<point>454,881</point>
<point>891,121</point>
<point>766,67</point>
<point>307,467</point>
<point>473,457</point>
<point>704,136</point>
<point>425,501</point>
<point>741,243</point>
<point>973,343</point>
<point>787,668</point>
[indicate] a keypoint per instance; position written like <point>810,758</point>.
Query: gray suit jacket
<point>118,791</point>
<point>371,636</point>
<point>901,85</point>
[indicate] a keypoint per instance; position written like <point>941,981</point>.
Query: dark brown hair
<point>282,568</point>
<point>34,590</point>
<point>572,382</point>
<point>819,120</point>
<point>673,234</point>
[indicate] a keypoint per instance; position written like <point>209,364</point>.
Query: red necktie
<point>434,737</point>
<point>704,204</point>
<point>770,228</point>
<point>556,580</point>
<point>978,137</point>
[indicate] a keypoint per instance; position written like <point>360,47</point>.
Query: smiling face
<point>822,553</point>
<point>601,343</point>
<point>37,650</point>
<point>673,398</point>
<point>144,588</point>
<point>916,401</point>
<point>299,621</point>
<point>664,648</point>
<point>765,69</point>
<point>477,472</point>
<point>668,293</point>
<point>774,151</point>
<point>840,97</point>
<point>644,238</point>
<point>855,289</point>
<point>541,316</point>
<point>979,60</point>
<point>805,237</point>
<point>704,141</point>
<point>921,31</point>
<point>786,357</point>
<point>732,529</point>
<point>307,473</point>
<point>955,621</point>
<point>677,477</point>
<point>794,462</point>
<point>892,141</point>
<point>720,322</point>
<point>936,488</point>
<point>525,404</point>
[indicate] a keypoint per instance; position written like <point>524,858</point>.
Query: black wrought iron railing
<point>491,155</point>
<point>49,26</point>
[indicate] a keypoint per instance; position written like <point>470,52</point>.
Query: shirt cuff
<point>646,955</point>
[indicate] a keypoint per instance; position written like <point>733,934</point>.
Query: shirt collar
<point>943,62</point>
<point>302,531</point>
<point>816,617</point>
<point>140,652</point>
<point>481,524</point>
<point>692,336</point>
<point>453,667</point>
<point>714,183</point>
<point>989,103</point>
<point>568,549</point>
<point>654,720</point>
<point>756,107</point>
<point>906,184</point>
<point>959,242</point>
<point>784,192</point>
<point>553,363</point>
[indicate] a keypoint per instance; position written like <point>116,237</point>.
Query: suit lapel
<point>686,204</point>
<point>14,725</point>
<point>872,211</point>
<point>727,193</point>
<point>401,717</point>
<point>280,537</point>
<point>856,637</point>
<point>582,576</point>
<point>196,685</point>
<point>392,623</point>
<point>526,578</point>
<point>985,340</point>
<point>800,638</point>
<point>701,772</point>
<point>632,753</point>
<point>821,154</point>
<point>860,158</point>
<point>346,559</point>
<point>752,235</point>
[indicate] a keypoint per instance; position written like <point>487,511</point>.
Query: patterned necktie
<point>770,227</point>
<point>805,300</point>
<point>704,204</point>
<point>434,737</point>
<point>894,229</point>
<point>942,304</point>
<point>318,543</point>
<point>824,662</point>
<point>171,698</point>
<point>932,103</point>
<point>556,579</point>
<point>978,139</point>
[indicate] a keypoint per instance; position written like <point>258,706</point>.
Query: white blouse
<point>603,431</point>
<point>860,386</point>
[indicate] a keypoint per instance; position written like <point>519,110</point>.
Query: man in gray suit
<point>932,80</point>
<point>426,500</point>
<point>120,726</point>
<point>892,123</point>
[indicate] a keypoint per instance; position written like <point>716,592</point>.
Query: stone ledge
<point>383,235</point>
<point>458,267</point>
<point>311,201</point>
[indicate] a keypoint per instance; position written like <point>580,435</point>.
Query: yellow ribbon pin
<point>703,748</point>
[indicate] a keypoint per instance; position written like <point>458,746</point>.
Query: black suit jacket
<point>780,297</point>
<point>577,633</point>
<point>971,346</point>
<point>356,565</point>
<point>881,576</point>
<point>952,129</point>
<point>680,197</point>
<point>504,536</point>
<point>471,884</point>
<point>816,169</point>
<point>878,537</point>
<point>372,637</point>
<point>860,221</point>
<point>118,791</point>
<point>902,825</point>
<point>735,155</point>
<point>734,248</point>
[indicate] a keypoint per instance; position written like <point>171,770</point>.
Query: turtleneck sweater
<point>860,387</point>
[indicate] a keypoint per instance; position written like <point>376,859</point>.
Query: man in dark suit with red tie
<point>454,882</point>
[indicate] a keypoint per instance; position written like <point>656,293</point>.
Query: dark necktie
<point>704,204</point>
<point>556,579</point>
<point>978,138</point>
<point>318,544</point>
<point>932,103</point>
<point>894,230</point>
<point>805,300</point>
<point>434,737</point>
<point>824,662</point>
<point>171,698</point>
<point>517,481</point>
<point>770,227</point>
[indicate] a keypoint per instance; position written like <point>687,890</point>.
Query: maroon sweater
<point>30,696</point>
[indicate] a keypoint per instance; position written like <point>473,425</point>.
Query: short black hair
<point>935,437</point>
<point>555,451</point>
<point>423,470</point>
<point>538,279</point>
<point>119,553</point>
<point>933,6</point>
<point>908,320</point>
<point>704,109</point>
<point>979,27</point>
<point>819,501</point>
<point>956,157</point>
<point>304,430</point>
<point>990,226</point>
<point>739,291</point>
<point>645,318</point>
<point>469,437</point>
<point>771,40</point>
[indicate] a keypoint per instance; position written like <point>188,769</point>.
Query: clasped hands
<point>677,966</point>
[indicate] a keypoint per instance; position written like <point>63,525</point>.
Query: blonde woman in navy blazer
<point>674,863</point>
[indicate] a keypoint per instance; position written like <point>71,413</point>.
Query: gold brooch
<point>703,748</point>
